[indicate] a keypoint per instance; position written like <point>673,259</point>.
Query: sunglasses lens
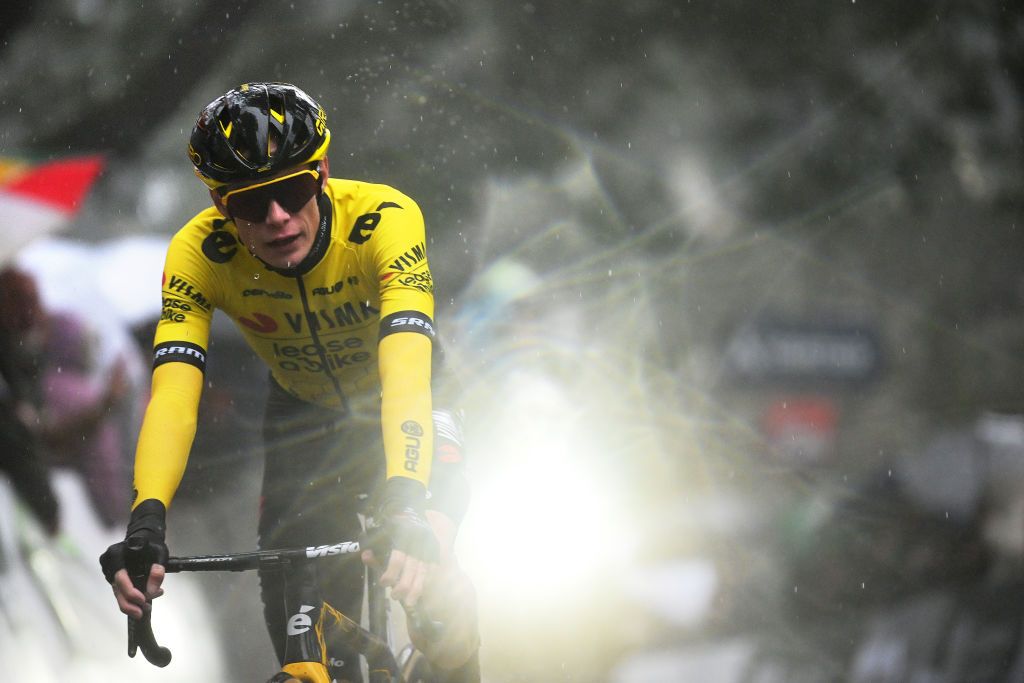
<point>291,194</point>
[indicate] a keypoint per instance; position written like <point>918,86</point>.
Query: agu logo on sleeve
<point>413,442</point>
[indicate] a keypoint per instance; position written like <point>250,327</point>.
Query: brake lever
<point>140,631</point>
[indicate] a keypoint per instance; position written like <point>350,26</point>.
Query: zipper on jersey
<point>310,317</point>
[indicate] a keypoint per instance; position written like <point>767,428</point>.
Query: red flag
<point>37,200</point>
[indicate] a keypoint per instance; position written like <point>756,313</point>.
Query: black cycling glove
<point>404,520</point>
<point>147,527</point>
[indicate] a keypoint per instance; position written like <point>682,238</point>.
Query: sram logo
<point>301,622</point>
<point>413,321</point>
<point>336,549</point>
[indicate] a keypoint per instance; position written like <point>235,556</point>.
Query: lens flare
<point>546,522</point>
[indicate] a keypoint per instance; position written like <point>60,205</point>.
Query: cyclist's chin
<point>285,255</point>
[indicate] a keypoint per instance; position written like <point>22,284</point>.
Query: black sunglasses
<point>292,191</point>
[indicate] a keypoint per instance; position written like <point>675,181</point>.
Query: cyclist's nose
<point>276,213</point>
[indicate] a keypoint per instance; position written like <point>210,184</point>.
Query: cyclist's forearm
<point>168,428</point>
<point>406,405</point>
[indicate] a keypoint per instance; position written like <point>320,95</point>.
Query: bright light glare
<point>544,518</point>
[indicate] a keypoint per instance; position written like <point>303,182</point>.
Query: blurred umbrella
<point>127,281</point>
<point>37,200</point>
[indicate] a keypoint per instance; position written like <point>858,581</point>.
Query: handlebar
<point>138,563</point>
<point>259,559</point>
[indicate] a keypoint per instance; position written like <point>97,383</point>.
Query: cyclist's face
<point>290,216</point>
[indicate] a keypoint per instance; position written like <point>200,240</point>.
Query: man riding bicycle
<point>328,281</point>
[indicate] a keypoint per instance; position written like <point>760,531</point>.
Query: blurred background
<point>734,290</point>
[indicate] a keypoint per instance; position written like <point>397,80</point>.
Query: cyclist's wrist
<point>404,494</point>
<point>143,542</point>
<point>148,519</point>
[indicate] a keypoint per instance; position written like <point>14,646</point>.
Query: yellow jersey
<point>317,325</point>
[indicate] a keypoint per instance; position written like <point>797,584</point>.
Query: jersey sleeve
<point>398,249</point>
<point>187,296</point>
<point>179,361</point>
<point>398,258</point>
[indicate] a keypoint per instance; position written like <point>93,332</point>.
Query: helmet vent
<point>260,129</point>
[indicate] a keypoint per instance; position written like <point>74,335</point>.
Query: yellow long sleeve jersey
<point>355,316</point>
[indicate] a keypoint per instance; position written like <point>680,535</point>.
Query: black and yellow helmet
<point>231,141</point>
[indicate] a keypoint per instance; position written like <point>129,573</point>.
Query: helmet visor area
<point>291,192</point>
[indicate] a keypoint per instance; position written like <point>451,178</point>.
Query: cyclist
<point>328,281</point>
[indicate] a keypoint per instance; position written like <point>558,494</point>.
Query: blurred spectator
<point>77,407</point>
<point>20,328</point>
<point>89,409</point>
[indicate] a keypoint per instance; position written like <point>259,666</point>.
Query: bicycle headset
<point>231,140</point>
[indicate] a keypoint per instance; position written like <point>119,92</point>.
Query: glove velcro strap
<point>148,516</point>
<point>404,493</point>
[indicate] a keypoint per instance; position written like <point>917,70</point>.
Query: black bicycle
<point>313,624</point>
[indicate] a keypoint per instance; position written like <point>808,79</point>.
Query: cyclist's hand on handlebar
<point>134,566</point>
<point>131,600</point>
<point>414,548</point>
<point>413,545</point>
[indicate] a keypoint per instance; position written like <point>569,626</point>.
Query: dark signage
<point>803,352</point>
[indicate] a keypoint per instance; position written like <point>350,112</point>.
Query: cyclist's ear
<point>325,172</point>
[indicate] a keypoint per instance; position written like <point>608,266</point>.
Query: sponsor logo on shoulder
<point>174,310</point>
<point>220,245</point>
<point>181,287</point>
<point>410,258</point>
<point>421,281</point>
<point>363,227</point>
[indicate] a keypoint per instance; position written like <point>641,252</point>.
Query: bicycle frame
<point>302,602</point>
